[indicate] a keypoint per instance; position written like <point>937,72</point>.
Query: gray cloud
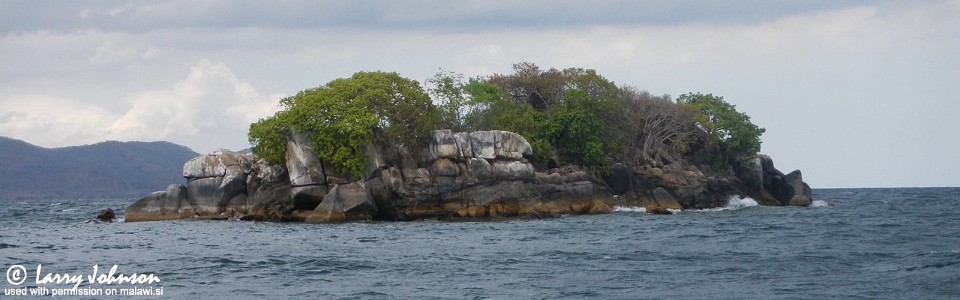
<point>391,15</point>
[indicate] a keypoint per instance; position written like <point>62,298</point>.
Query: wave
<point>629,209</point>
<point>819,203</point>
<point>734,203</point>
<point>640,209</point>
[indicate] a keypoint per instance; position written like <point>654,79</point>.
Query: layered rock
<point>348,202</point>
<point>680,185</point>
<point>307,177</point>
<point>482,174</point>
<point>672,186</point>
<point>769,186</point>
<point>220,184</point>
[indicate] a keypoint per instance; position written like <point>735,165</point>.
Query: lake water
<point>854,243</point>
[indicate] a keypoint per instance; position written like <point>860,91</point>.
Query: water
<point>857,243</point>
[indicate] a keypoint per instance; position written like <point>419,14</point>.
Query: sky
<point>853,93</point>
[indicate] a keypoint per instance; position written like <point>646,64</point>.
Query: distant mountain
<point>104,170</point>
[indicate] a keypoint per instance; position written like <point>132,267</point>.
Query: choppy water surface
<point>857,243</point>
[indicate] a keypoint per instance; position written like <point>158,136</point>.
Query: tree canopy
<point>340,117</point>
<point>569,116</point>
<point>728,130</point>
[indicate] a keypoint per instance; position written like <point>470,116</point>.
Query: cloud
<point>211,106</point>
<point>825,78</point>
<point>51,121</point>
<point>430,15</point>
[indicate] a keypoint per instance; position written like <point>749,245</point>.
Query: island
<point>532,144</point>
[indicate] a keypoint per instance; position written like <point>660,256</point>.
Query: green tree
<point>548,91</point>
<point>577,130</point>
<point>729,132</point>
<point>341,116</point>
<point>477,105</point>
<point>491,111</point>
<point>447,89</point>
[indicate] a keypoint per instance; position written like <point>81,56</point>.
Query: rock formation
<point>223,183</point>
<point>764,183</point>
<point>106,215</point>
<point>482,174</point>
<point>478,175</point>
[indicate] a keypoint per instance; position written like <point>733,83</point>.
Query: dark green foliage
<point>729,132</point>
<point>576,130</point>
<point>573,116</point>
<point>478,105</point>
<point>573,101</point>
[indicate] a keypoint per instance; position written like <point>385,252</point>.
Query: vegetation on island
<point>569,116</point>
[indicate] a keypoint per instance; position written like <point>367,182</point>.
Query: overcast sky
<point>854,93</point>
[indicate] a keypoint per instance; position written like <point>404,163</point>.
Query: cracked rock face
<point>220,184</point>
<point>482,174</point>
<point>479,174</point>
<point>769,186</point>
<point>308,180</point>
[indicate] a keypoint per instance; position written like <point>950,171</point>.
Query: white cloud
<point>51,121</point>
<point>209,109</point>
<point>211,104</point>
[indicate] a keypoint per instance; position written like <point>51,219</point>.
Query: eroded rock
<point>481,174</point>
<point>107,215</point>
<point>350,202</point>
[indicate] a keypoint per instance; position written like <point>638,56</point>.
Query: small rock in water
<point>106,215</point>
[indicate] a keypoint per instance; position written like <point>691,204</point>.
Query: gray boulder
<point>620,179</point>
<point>303,165</point>
<point>170,204</point>
<point>308,178</point>
<point>464,144</point>
<point>509,145</point>
<point>513,170</point>
<point>483,144</point>
<point>220,185</point>
<point>443,144</point>
<point>350,202</point>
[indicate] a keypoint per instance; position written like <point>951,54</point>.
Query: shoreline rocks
<point>474,175</point>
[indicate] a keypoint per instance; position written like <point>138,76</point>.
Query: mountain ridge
<point>109,169</point>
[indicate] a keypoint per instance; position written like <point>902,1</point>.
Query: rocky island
<point>363,148</point>
<point>481,174</point>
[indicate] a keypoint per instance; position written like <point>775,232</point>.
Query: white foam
<point>819,203</point>
<point>629,209</point>
<point>734,203</point>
